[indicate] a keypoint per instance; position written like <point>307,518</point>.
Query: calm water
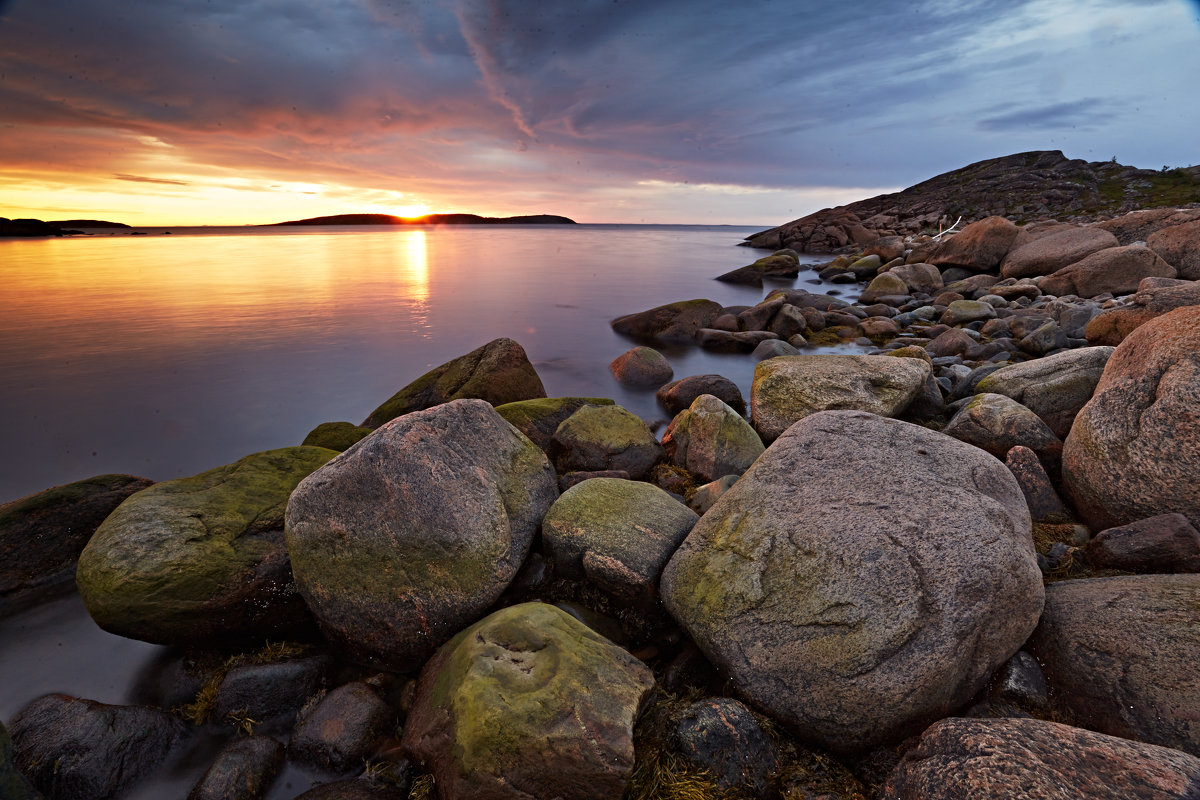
<point>166,355</point>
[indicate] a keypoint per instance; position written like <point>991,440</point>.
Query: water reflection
<point>412,277</point>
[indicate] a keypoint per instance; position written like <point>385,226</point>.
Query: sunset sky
<point>180,112</point>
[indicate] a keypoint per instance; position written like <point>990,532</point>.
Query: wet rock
<point>201,559</point>
<point>528,703</point>
<point>674,322</point>
<point>243,770</point>
<point>499,372</point>
<point>41,536</point>
<point>416,530</point>
<point>997,424</point>
<point>13,785</point>
<point>1120,654</point>
<point>1112,326</point>
<point>71,749</point>
<point>1027,759</point>
<point>720,737</point>
<point>604,438</point>
<point>1045,339</point>
<point>879,328</point>
<point>270,693</point>
<point>954,342</point>
<point>772,348</point>
<point>677,396</point>
<point>616,534</point>
<point>1043,501</point>
<point>710,439</point>
<point>789,388</point>
<point>341,730</point>
<point>1021,682</point>
<point>979,247</point>
<point>1166,543</point>
<point>1179,246</point>
<point>1116,270</point>
<point>539,419</point>
<point>337,436</point>
<point>642,367</point>
<point>356,789</point>
<point>782,264</point>
<point>1055,251</point>
<point>885,285</point>
<point>1134,450</point>
<point>900,594</point>
<point>788,322</point>
<point>1055,387</point>
<point>726,342</point>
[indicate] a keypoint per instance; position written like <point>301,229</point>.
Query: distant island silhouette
<point>428,219</point>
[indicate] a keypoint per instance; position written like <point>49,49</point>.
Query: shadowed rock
<point>539,419</point>
<point>678,395</point>
<point>243,770</point>
<point>1166,543</point>
<point>1055,387</point>
<point>674,322</point>
<point>1179,246</point>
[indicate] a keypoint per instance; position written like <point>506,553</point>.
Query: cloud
<point>143,179</point>
<point>1089,112</point>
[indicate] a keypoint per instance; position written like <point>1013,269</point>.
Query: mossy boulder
<point>1054,387</point>
<point>337,436</point>
<point>539,419</point>
<point>499,372</point>
<point>415,531</point>
<point>865,577</point>
<point>528,703</point>
<point>711,440</point>
<point>42,535</point>
<point>201,559</point>
<point>597,438</point>
<point>673,322</point>
<point>789,388</point>
<point>617,534</point>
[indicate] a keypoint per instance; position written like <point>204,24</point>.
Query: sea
<point>166,352</point>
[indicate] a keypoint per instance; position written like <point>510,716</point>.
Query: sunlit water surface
<point>164,356</point>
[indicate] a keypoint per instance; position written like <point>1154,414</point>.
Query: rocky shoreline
<point>961,563</point>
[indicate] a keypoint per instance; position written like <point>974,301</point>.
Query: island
<point>429,219</point>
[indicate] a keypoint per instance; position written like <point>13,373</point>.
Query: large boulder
<point>919,277</point>
<point>615,533</point>
<point>41,536</point>
<point>678,395</point>
<point>784,264</point>
<point>1166,543</point>
<point>1117,270</point>
<point>1137,226</point>
<point>672,323</point>
<point>528,703</point>
<point>1121,655</point>
<point>416,530</point>
<point>72,749</point>
<point>979,247</point>
<point>1054,251</point>
<point>997,424</point>
<point>539,419</point>
<point>599,438</point>
<point>1028,759</point>
<point>1179,246</point>
<point>863,578</point>
<point>201,559</point>
<point>499,372</point>
<point>789,388</point>
<point>1112,326</point>
<point>1054,387</point>
<point>643,367</point>
<point>711,440</point>
<point>1134,450</point>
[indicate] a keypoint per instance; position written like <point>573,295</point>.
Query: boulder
<point>1166,543</point>
<point>539,419</point>
<point>1054,251</point>
<point>13,785</point>
<point>416,530</point>
<point>772,348</point>
<point>1112,326</point>
<point>885,285</point>
<point>1055,387</point>
<point>954,342</point>
<point>979,247</point>
<point>499,372</point>
<point>788,322</point>
<point>528,703</point>
<point>1134,450</point>
<point>711,440</point>
<point>201,559</point>
<point>789,388</point>
<point>337,436</point>
<point>720,737</point>
<point>726,342</point>
<point>777,265</point>
<point>864,577</point>
<point>1116,270</point>
<point>71,749</point>
<point>341,731</point>
<point>616,534</point>
<point>1179,246</point>
<point>1028,759</point>
<point>642,367</point>
<point>1043,501</point>
<point>270,692</point>
<point>962,312</point>
<point>1044,340</point>
<point>672,323</point>
<point>887,248</point>
<point>604,438</point>
<point>1137,226</point>
<point>41,536</point>
<point>918,277</point>
<point>364,788</point>
<point>996,423</point>
<point>243,770</point>
<point>1120,655</point>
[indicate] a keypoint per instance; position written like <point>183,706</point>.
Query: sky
<point>223,112</point>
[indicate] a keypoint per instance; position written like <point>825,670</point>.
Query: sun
<point>415,210</point>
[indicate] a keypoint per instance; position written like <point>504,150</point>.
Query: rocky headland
<point>948,548</point>
<point>430,219</point>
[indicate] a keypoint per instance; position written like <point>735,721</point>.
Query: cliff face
<point>1022,187</point>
